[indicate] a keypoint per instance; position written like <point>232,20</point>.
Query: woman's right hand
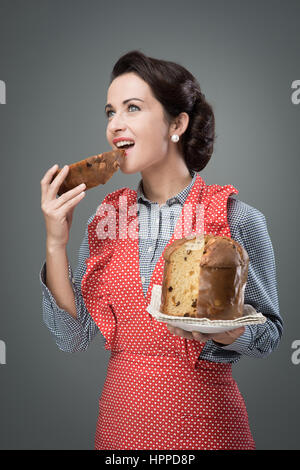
<point>58,212</point>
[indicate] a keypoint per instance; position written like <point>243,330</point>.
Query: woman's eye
<point>133,106</point>
<point>129,106</point>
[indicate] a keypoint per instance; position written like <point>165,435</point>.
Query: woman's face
<point>141,119</point>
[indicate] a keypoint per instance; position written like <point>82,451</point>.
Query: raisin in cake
<point>204,280</point>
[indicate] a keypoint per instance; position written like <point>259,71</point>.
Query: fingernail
<point>197,335</point>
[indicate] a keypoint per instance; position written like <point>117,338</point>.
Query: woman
<point>165,388</point>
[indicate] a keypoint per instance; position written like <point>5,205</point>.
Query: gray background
<point>56,57</point>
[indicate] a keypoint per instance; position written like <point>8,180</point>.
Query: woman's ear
<point>181,123</point>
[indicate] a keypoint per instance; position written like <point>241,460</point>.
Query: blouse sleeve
<point>250,230</point>
<point>70,334</point>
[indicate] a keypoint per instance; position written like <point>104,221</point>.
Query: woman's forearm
<point>57,278</point>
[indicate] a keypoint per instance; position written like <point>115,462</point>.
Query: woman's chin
<point>129,169</point>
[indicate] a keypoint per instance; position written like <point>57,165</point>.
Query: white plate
<point>203,325</point>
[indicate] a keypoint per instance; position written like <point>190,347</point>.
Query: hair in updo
<point>178,91</point>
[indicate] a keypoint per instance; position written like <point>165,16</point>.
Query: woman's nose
<point>116,123</point>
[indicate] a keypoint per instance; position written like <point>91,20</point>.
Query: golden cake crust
<point>207,283</point>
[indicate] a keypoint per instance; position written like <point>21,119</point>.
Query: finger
<point>171,328</point>
<point>45,181</point>
<point>242,329</point>
<point>183,333</point>
<point>203,337</point>
<point>58,180</point>
<point>70,215</point>
<point>49,174</point>
<point>71,203</point>
<point>177,331</point>
<point>237,331</point>
<point>69,195</point>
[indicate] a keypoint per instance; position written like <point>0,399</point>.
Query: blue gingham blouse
<point>247,226</point>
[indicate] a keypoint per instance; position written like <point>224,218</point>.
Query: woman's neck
<point>159,185</point>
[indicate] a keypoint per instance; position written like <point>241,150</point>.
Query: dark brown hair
<point>178,91</point>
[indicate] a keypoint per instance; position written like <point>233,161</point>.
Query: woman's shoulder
<point>248,226</point>
<point>239,213</point>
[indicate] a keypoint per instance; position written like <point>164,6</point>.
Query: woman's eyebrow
<point>108,105</point>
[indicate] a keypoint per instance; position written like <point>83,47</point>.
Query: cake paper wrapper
<point>203,325</point>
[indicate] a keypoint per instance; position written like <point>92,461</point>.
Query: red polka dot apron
<point>157,394</point>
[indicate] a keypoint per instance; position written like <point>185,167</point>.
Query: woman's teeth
<point>124,144</point>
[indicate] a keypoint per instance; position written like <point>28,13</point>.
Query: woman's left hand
<point>226,337</point>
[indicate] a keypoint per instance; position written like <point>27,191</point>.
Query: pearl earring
<point>175,138</point>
